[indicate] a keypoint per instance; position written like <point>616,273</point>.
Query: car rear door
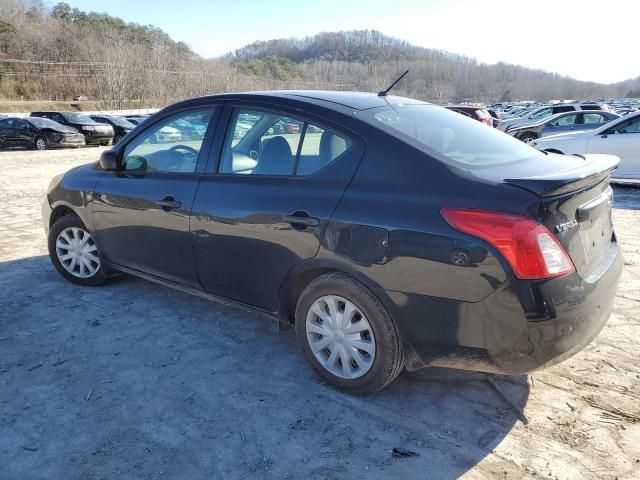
<point>264,203</point>
<point>622,140</point>
<point>141,212</point>
<point>8,132</point>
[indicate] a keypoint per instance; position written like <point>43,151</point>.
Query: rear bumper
<point>519,328</point>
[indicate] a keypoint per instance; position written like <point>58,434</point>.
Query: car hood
<point>60,129</point>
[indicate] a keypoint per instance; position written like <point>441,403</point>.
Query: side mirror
<point>109,161</point>
<point>136,164</point>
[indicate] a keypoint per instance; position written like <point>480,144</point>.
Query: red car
<point>477,113</point>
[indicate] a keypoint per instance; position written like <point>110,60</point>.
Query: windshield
<point>121,122</point>
<point>450,136</point>
<point>43,123</point>
<point>77,118</point>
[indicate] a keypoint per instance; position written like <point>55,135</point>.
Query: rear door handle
<point>301,220</point>
<point>168,202</point>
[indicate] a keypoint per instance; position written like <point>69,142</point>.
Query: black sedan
<point>37,133</point>
<point>94,133</point>
<point>121,126</point>
<point>392,233</point>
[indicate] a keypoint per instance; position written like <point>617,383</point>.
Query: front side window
<point>630,126</point>
<point>168,146</point>
<point>447,135</point>
<point>269,143</point>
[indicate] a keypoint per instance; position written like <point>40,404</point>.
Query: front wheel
<point>347,335</point>
<point>40,143</point>
<point>528,138</point>
<point>74,252</point>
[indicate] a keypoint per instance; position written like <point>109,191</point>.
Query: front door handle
<point>301,220</point>
<point>168,202</point>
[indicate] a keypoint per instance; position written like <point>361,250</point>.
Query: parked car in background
<point>620,137</point>
<point>38,134</point>
<point>80,98</point>
<point>167,134</point>
<point>562,122</point>
<point>495,114</point>
<point>135,120</point>
<point>477,113</point>
<point>543,112</point>
<point>94,133</point>
<point>121,126</point>
<point>472,250</point>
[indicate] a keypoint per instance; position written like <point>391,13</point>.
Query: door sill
<point>200,293</point>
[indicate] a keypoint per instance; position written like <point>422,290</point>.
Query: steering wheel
<point>182,161</point>
<point>175,148</point>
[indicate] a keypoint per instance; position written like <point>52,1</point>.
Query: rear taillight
<point>530,249</point>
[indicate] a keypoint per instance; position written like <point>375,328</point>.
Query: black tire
<point>38,141</point>
<point>528,137</point>
<point>72,221</point>
<point>389,358</point>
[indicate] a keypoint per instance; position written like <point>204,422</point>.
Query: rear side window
<point>449,136</point>
<point>269,143</point>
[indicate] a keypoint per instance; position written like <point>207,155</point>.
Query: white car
<point>620,137</point>
<point>167,134</point>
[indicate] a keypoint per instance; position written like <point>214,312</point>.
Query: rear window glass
<point>448,136</point>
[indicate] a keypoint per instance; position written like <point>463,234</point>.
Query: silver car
<point>620,137</point>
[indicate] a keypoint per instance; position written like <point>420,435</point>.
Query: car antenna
<point>384,92</point>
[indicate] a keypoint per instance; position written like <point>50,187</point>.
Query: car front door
<point>622,140</point>
<point>24,133</point>
<point>565,123</point>
<point>266,199</point>
<point>141,211</point>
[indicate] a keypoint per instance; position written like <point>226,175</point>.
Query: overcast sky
<point>587,39</point>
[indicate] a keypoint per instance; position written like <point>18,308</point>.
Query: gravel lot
<point>133,380</point>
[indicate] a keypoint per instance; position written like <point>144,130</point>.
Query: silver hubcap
<point>340,337</point>
<point>77,252</point>
<point>529,140</point>
<point>40,144</point>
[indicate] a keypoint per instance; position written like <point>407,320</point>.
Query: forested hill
<point>369,59</point>
<point>56,53</point>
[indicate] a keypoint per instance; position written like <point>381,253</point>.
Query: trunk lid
<point>575,202</point>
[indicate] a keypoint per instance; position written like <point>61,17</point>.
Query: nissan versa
<point>392,232</point>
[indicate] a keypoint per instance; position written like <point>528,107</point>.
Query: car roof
<point>330,99</point>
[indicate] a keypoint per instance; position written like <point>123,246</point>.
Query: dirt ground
<point>132,380</point>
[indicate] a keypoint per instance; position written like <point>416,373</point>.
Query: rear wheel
<point>74,252</point>
<point>347,334</point>
<point>40,143</point>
